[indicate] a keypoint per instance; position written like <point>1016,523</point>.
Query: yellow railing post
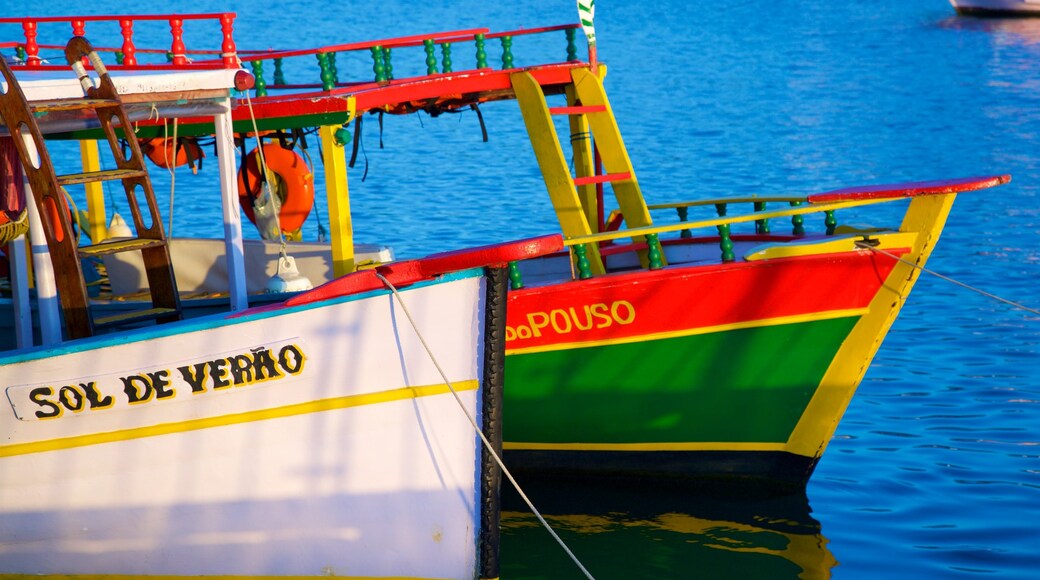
<point>340,225</point>
<point>97,230</point>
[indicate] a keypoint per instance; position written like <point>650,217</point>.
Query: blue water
<point>935,469</point>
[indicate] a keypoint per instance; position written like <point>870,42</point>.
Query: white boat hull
<point>338,449</point>
<point>998,7</point>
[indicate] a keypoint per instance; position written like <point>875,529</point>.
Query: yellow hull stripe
<point>698,446</point>
<point>800,318</point>
<point>237,418</point>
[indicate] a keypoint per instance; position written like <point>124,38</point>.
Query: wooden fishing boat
<point>997,7</point>
<point>711,346</point>
<point>319,435</point>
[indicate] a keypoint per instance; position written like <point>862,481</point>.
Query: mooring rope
<point>867,246</point>
<point>487,444</point>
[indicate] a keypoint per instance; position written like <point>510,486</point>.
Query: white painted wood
<point>387,488</point>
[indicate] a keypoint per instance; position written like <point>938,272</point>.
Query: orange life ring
<point>290,181</point>
<point>162,151</point>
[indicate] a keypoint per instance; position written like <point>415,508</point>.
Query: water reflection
<point>1010,30</point>
<point>654,529</point>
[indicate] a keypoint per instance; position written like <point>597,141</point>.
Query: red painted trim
<point>397,273</point>
<point>116,17</point>
<point>609,177</point>
<point>582,110</point>
<point>411,271</point>
<point>679,299</point>
<point>492,255</point>
<point>527,31</point>
<point>910,189</point>
<point>401,41</point>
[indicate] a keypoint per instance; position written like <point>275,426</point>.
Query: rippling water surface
<point>935,469</point>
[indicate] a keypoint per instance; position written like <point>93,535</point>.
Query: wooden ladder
<point>589,110</point>
<point>103,102</point>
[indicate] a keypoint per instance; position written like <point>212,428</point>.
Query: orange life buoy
<point>290,180</point>
<point>164,151</point>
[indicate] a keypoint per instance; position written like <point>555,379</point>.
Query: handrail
<point>30,28</point>
<point>721,221</point>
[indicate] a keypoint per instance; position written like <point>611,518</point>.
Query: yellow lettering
<point>556,316</point>
<point>615,311</point>
<point>600,312</point>
<point>535,326</point>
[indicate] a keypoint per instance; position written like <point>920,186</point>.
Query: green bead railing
<point>582,261</point>
<point>279,76</point>
<point>446,57</point>
<point>259,84</point>
<point>761,226</point>
<point>515,281</point>
<point>507,52</point>
<point>377,64</point>
<point>654,253</point>
<point>797,221</point>
<point>431,59</point>
<point>481,53</point>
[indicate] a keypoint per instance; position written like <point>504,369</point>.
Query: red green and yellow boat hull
<point>708,370</point>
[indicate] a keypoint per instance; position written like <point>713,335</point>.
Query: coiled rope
<point>487,444</point>
<point>866,245</point>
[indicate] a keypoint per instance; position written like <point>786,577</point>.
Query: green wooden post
<point>446,57</point>
<point>279,76</point>
<point>831,221</point>
<point>720,208</point>
<point>572,47</point>
<point>584,269</point>
<point>169,56</point>
<point>332,67</point>
<point>327,81</point>
<point>515,282</point>
<point>761,226</point>
<point>481,53</point>
<point>797,221</point>
<point>259,84</point>
<point>20,51</point>
<point>377,64</point>
<point>653,255</point>
<point>684,213</point>
<point>119,56</point>
<point>726,243</point>
<point>387,66</point>
<point>431,59</point>
<point>507,52</point>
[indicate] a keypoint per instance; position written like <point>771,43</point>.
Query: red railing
<point>128,51</point>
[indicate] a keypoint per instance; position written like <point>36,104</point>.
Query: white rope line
<point>476,428</point>
<point>862,244</point>
<point>171,166</point>
<point>262,166</point>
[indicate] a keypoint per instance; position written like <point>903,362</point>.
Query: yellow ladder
<point>572,197</point>
<point>20,116</point>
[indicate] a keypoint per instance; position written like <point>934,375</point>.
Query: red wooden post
<point>79,28</point>
<point>227,48</point>
<point>32,50</point>
<point>177,48</point>
<point>129,51</point>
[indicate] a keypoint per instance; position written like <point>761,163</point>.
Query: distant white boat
<point>997,7</point>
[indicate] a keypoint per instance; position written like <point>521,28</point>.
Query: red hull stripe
<point>911,189</point>
<point>678,300</point>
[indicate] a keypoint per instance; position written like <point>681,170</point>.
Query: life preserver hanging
<point>164,151</point>
<point>290,180</point>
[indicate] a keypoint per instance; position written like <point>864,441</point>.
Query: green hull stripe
<point>748,385</point>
